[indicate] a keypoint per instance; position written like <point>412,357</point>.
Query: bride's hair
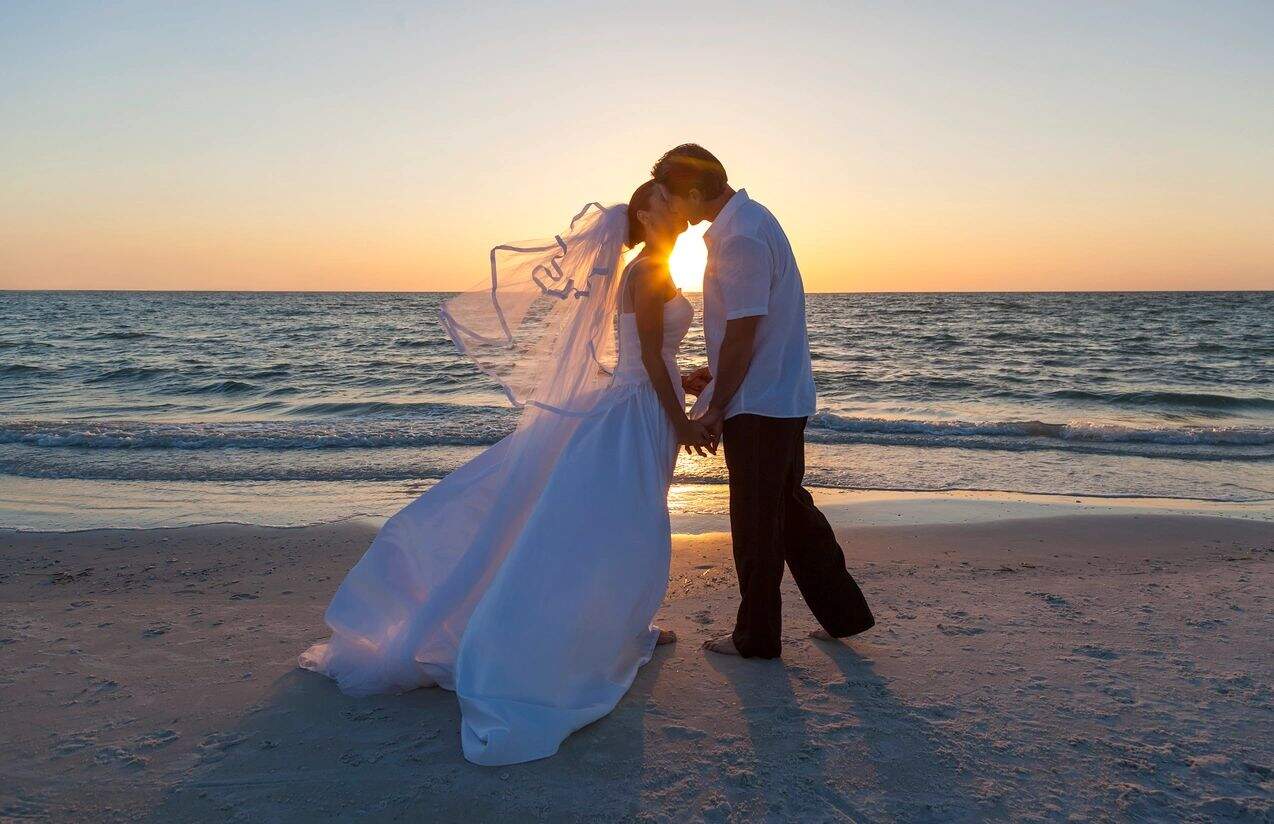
<point>639,201</point>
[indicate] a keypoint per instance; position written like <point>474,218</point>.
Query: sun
<point>689,257</point>
<point>687,261</point>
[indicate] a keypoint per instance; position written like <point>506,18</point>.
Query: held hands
<point>714,421</point>
<point>703,433</point>
<point>696,438</point>
<point>694,382</point>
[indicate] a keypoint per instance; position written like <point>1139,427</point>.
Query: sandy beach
<point>1032,661</point>
<point>993,281</point>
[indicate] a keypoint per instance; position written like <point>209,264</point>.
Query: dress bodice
<point>678,314</point>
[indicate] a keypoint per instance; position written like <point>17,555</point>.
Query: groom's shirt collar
<point>731,207</point>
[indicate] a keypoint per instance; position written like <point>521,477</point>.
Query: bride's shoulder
<point>648,275</point>
<point>646,279</point>
<point>645,268</point>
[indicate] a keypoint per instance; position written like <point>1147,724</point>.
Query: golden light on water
<point>688,258</point>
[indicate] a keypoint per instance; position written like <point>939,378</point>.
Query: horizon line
<point>808,292</point>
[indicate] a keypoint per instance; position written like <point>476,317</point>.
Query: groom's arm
<point>732,365</point>
<point>744,271</point>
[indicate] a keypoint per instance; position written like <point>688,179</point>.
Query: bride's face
<point>664,224</point>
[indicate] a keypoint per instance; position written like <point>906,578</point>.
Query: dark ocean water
<point>1146,394</point>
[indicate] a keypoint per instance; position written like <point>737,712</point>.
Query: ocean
<point>128,408</point>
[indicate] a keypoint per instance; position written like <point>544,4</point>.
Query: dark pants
<point>773,520</point>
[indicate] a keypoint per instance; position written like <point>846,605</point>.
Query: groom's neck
<point>712,208</point>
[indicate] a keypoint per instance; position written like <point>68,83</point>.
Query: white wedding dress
<point>528,589</point>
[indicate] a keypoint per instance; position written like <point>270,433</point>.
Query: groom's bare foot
<point>666,636</point>
<point>722,646</point>
<point>821,634</point>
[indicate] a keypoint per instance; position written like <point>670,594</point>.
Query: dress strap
<point>623,287</point>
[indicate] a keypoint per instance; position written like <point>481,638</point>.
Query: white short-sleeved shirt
<point>752,271</point>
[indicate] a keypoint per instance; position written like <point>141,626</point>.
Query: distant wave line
<point>432,474</point>
<point>1185,435</point>
<point>359,426</point>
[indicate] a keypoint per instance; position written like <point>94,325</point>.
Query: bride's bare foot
<point>722,646</point>
<point>666,636</point>
<point>821,634</point>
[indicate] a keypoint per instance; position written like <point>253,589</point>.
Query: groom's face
<point>685,209</point>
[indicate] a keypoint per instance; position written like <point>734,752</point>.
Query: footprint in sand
<point>1051,599</point>
<point>23,809</point>
<point>950,630</point>
<point>1207,623</point>
<point>1123,695</point>
<point>105,687</point>
<point>158,738</point>
<point>374,714</point>
<point>120,757</point>
<point>72,744</point>
<point>741,777</point>
<point>1096,651</point>
<point>1259,770</point>
<point>680,733</point>
<point>214,746</point>
<point>1234,681</point>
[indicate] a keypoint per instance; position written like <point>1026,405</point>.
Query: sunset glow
<point>386,148</point>
<point>688,259</point>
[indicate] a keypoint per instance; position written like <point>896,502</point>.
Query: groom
<point>758,402</point>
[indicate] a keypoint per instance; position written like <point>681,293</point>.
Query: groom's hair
<point>690,166</point>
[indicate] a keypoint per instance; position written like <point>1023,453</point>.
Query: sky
<point>943,146</point>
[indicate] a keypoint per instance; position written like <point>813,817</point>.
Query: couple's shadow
<point>844,749</point>
<point>309,753</point>
<point>818,749</point>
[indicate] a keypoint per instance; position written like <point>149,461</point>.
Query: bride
<point>526,580</point>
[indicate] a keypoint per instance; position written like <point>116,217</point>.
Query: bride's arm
<point>648,303</point>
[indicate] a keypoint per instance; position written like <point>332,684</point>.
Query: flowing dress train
<point>528,589</point>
